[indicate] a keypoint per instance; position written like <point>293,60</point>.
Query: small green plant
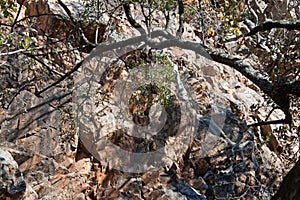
<point>8,8</point>
<point>156,92</point>
<point>267,137</point>
<point>162,5</point>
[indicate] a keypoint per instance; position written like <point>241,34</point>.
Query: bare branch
<point>181,18</point>
<point>244,68</point>
<point>21,51</point>
<point>168,20</point>
<point>132,21</point>
<point>291,180</point>
<point>47,101</point>
<point>17,16</point>
<point>277,92</point>
<point>38,93</point>
<point>261,12</point>
<point>289,86</point>
<point>280,121</point>
<point>75,23</point>
<point>268,25</point>
<point>49,68</point>
<point>147,17</point>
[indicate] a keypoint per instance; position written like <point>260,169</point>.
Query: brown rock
<point>53,21</point>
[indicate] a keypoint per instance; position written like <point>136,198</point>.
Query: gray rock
<point>11,179</point>
<point>188,191</point>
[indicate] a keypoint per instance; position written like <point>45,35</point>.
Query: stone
<point>11,179</point>
<point>54,21</point>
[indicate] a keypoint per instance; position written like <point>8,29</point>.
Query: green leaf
<point>5,13</point>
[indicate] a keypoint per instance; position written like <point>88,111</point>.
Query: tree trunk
<point>290,186</point>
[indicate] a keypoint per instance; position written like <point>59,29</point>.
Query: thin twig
<point>279,121</point>
<point>75,23</point>
<point>21,51</point>
<point>17,16</point>
<point>44,64</point>
<point>38,93</point>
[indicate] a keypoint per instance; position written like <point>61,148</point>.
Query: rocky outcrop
<point>40,133</point>
<point>64,23</point>
<point>44,142</point>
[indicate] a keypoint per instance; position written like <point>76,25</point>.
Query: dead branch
<point>268,25</point>
<point>67,10</point>
<point>280,121</point>
<point>67,75</point>
<point>132,21</point>
<point>181,18</point>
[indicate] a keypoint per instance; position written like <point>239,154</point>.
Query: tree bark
<point>290,186</point>
<point>268,25</point>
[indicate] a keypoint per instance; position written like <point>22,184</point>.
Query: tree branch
<point>17,16</point>
<point>268,25</point>
<point>21,51</point>
<point>132,21</point>
<point>246,69</point>
<point>277,91</point>
<point>49,68</point>
<point>289,188</point>
<point>67,10</point>
<point>38,93</point>
<point>293,88</point>
<point>280,97</point>
<point>279,121</point>
<point>181,18</point>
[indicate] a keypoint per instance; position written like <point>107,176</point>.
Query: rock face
<point>43,158</point>
<point>53,21</point>
<point>44,142</point>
